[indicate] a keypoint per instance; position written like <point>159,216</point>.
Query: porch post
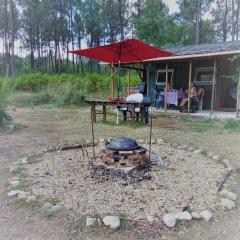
<point>189,84</point>
<point>213,87</point>
<point>129,81</point>
<point>238,106</point>
<point>148,81</point>
<point>165,90</point>
<point>113,82</point>
<point>238,96</point>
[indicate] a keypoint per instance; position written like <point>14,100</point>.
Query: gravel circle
<point>189,180</point>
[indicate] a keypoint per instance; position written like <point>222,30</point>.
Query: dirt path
<point>44,126</point>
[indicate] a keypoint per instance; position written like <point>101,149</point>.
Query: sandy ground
<point>44,126</point>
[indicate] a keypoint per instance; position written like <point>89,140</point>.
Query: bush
<point>65,89</point>
<point>3,104</point>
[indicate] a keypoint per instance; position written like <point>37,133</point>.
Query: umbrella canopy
<point>127,51</point>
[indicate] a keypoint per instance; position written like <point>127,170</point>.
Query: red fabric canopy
<point>128,51</point>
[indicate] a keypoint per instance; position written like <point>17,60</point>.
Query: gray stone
<point>227,194</point>
<point>90,221</point>
<point>150,219</point>
<point>197,151</point>
<point>154,141</point>
<point>112,222</point>
<point>216,157</point>
<point>227,204</point>
<point>185,216</point>
<point>196,215</point>
<point>18,194</point>
<point>169,220</point>
<point>206,215</point>
<point>160,141</point>
<point>31,199</point>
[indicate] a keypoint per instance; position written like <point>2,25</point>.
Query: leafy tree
<point>191,17</point>
<point>155,25</point>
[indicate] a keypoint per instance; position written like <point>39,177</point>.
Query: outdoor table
<point>120,104</point>
<point>171,97</point>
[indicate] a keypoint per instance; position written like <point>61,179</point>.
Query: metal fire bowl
<point>122,144</point>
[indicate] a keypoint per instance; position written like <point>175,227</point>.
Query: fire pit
<point>123,151</point>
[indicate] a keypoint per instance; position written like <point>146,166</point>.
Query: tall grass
<point>65,89</point>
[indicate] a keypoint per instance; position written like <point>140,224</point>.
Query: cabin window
<point>203,75</point>
<point>161,76</point>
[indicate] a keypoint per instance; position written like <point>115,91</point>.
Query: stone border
<point>19,182</point>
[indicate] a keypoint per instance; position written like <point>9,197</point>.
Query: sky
<point>172,5</point>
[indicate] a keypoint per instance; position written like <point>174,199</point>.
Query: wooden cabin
<point>208,66</point>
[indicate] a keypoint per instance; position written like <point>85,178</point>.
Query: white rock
<point>185,216</point>
<point>206,215</point>
<point>216,157</point>
<point>227,194</point>
<point>196,215</point>
<point>169,220</point>
<point>19,194</point>
<point>150,219</point>
<point>198,151</point>
<point>141,141</point>
<point>154,141</point>
<point>160,141</point>
<point>191,149</point>
<point>227,204</point>
<point>112,222</point>
<point>90,221</point>
<point>31,199</point>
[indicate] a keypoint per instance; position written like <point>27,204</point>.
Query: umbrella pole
<point>118,82</point>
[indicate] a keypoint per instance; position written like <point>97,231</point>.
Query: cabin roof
<point>200,51</point>
<point>205,48</point>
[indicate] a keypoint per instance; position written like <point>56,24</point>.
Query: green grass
<point>64,89</point>
<point>232,125</point>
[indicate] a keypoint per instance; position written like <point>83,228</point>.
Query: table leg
<point>146,120</point>
<point>93,111</point>
<point>133,115</point>
<point>141,114</point>
<point>104,113</point>
<point>117,119</point>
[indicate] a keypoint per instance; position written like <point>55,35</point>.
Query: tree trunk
<point>13,72</point>
<point>225,22</point>
<point>233,20</point>
<point>198,19</point>
<point>237,19</point>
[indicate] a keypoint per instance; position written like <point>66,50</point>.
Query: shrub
<point>3,103</point>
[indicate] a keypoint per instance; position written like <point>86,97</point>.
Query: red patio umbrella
<point>124,52</point>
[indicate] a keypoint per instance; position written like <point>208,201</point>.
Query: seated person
<point>168,88</point>
<point>193,92</point>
